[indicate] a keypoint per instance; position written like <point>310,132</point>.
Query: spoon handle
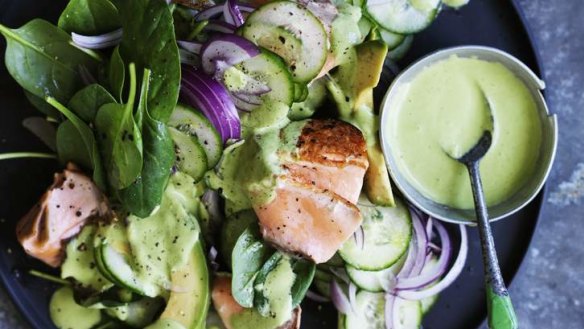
<point>500,308</point>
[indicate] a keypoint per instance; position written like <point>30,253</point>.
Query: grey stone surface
<point>549,290</point>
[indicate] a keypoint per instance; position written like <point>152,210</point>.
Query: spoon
<point>500,308</point>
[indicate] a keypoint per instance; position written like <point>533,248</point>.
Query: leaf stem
<point>49,277</point>
<point>92,53</point>
<point>19,155</point>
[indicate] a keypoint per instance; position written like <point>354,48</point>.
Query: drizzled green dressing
<point>442,111</point>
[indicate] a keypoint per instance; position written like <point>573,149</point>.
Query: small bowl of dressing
<point>440,106</point>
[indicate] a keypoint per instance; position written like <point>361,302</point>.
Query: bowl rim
<point>520,69</point>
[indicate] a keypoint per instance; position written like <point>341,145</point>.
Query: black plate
<point>493,23</point>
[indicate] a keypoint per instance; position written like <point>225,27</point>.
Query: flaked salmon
<point>59,215</point>
<point>314,212</point>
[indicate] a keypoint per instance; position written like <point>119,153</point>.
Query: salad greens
<point>89,17</point>
<point>169,174</point>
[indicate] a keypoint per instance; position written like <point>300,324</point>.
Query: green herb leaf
<point>90,149</point>
<point>120,139</point>
<point>248,257</point>
<point>41,58</point>
<point>87,101</point>
<point>304,271</point>
<point>145,194</point>
<point>71,147</point>
<point>149,41</point>
<point>261,303</point>
<point>89,17</point>
<point>117,74</point>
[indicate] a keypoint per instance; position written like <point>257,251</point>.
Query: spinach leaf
<point>149,41</point>
<point>89,146</point>
<point>145,194</point>
<point>120,139</point>
<point>261,303</point>
<point>117,74</point>
<point>304,271</point>
<point>89,17</point>
<point>87,101</point>
<point>248,257</point>
<point>71,147</point>
<point>40,57</point>
<point>41,105</point>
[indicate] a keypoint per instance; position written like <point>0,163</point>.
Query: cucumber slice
<point>122,273</point>
<point>375,281</point>
<point>292,32</point>
<point>392,40</point>
<point>455,3</point>
<point>403,16</point>
<point>192,122</point>
<point>427,303</point>
<point>271,70</point>
<point>370,312</point>
<point>408,314</point>
<point>66,313</point>
<point>387,235</point>
<point>400,51</point>
<point>190,155</point>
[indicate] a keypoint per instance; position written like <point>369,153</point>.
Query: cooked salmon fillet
<point>226,306</point>
<point>314,212</point>
<point>59,215</point>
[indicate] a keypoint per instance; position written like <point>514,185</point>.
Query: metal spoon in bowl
<point>500,308</point>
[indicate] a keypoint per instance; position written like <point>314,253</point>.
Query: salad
<point>222,164</point>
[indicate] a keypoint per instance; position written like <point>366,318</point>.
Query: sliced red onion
<point>219,26</point>
<point>316,297</point>
<point>243,105</point>
<point>213,259</point>
<point>245,7</point>
<point>448,279</point>
<point>232,13</point>
<point>410,260</point>
<point>429,228</point>
<point>98,41</point>
<point>339,298</point>
<point>425,279</point>
<point>42,129</point>
<point>421,243</point>
<point>192,46</point>
<point>212,201</point>
<point>433,247</point>
<point>209,13</point>
<point>202,92</point>
<point>359,237</point>
<point>389,312</point>
<point>230,49</point>
<point>341,274</point>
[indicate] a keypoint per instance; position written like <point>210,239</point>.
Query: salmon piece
<point>313,212</point>
<point>226,306</point>
<point>59,215</point>
<point>307,221</point>
<point>331,155</point>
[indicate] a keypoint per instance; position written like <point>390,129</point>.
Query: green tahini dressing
<point>442,111</point>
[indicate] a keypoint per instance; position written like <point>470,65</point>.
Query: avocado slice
<point>189,299</point>
<point>354,81</point>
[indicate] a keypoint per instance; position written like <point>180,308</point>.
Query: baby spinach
<point>261,303</point>
<point>41,105</point>
<point>41,58</point>
<point>117,74</point>
<point>120,139</point>
<point>89,145</point>
<point>248,257</point>
<point>145,194</point>
<point>71,147</point>
<point>88,100</point>
<point>89,17</point>
<point>149,41</point>
<point>304,271</point>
